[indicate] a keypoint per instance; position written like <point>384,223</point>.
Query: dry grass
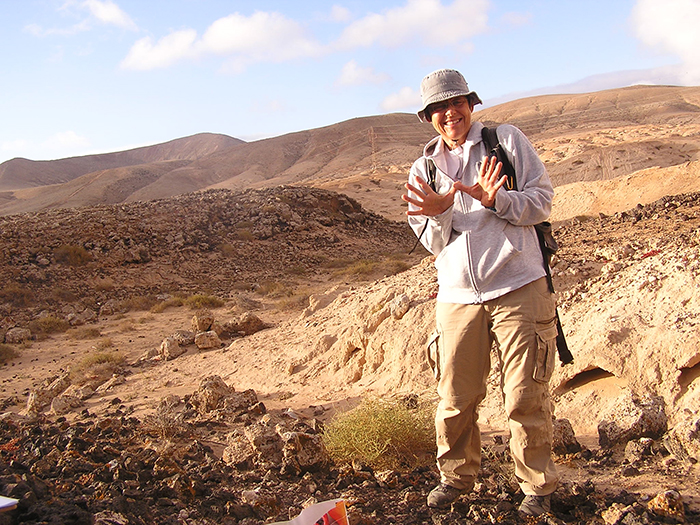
<point>384,434</point>
<point>83,332</point>
<point>198,301</point>
<point>16,295</point>
<point>72,255</point>
<point>96,366</point>
<point>48,325</point>
<point>165,423</point>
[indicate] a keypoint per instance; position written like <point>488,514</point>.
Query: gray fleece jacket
<point>483,253</point>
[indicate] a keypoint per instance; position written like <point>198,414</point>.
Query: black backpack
<point>548,245</point>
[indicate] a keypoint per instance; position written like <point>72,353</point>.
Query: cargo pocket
<point>433,355</point>
<point>546,350</point>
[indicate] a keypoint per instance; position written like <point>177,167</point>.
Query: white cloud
<point>145,55</point>
<point>108,12</point>
<point>14,145</point>
<point>340,14</point>
<point>102,11</point>
<point>354,75</point>
<point>261,37</point>
<point>424,21</point>
<point>406,99</point>
<point>66,141</point>
<point>671,27</point>
<point>515,19</point>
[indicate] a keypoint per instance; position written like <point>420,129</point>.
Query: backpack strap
<point>495,149</point>
<point>430,171</point>
<point>544,230</point>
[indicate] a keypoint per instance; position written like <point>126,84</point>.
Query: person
<point>492,291</point>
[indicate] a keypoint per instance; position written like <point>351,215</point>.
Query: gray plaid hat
<point>441,85</point>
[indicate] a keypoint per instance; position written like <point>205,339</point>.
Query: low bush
<point>16,295</point>
<point>84,332</point>
<point>195,302</point>
<point>171,302</point>
<point>72,255</point>
<point>47,325</point>
<point>97,366</point>
<point>139,303</point>
<point>383,434</point>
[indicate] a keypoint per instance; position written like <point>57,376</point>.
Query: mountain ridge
<point>581,138</point>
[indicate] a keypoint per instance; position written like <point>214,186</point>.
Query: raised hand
<point>427,201</point>
<point>487,183</point>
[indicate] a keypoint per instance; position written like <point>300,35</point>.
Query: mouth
<point>452,122</point>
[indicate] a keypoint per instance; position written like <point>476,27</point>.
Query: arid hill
<point>23,173</point>
<point>227,432</point>
<point>584,137</point>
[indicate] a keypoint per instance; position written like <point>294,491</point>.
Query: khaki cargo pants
<point>522,325</point>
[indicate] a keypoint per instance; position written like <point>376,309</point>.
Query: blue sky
<point>94,76</point>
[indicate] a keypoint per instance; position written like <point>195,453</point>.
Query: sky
<point>79,77</point>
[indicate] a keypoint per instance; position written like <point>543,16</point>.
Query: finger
<point>495,172</point>
<point>424,185</point>
<point>459,186</point>
<point>410,187</point>
<point>501,182</point>
<point>415,202</point>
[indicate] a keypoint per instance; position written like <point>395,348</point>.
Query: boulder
<point>399,306</point>
<point>170,349</point>
<point>207,340</point>
<point>212,390</point>
<point>632,418</point>
<point>17,335</point>
<point>303,452</point>
<point>683,440</point>
<point>564,440</point>
<point>202,321</point>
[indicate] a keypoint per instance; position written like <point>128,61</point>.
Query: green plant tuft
<point>97,366</point>
<point>198,301</point>
<point>383,434</point>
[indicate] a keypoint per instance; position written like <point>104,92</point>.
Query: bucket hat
<point>444,84</point>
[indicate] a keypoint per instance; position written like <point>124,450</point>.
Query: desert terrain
<point>319,305</point>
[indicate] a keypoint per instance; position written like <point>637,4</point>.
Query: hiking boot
<point>443,496</point>
<point>536,505</point>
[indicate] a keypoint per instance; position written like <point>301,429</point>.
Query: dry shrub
<point>365,268</point>
<point>383,434</point>
<point>47,325</point>
<point>63,295</point>
<point>165,423</point>
<point>97,366</point>
<point>170,302</point>
<point>244,235</point>
<point>83,332</point>
<point>16,295</point>
<point>198,301</point>
<point>72,255</point>
<point>7,353</point>
<point>103,344</point>
<point>293,302</point>
<point>139,303</point>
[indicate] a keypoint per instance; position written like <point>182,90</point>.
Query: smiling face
<point>452,119</point>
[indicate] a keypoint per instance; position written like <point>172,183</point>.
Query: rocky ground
<point>248,454</point>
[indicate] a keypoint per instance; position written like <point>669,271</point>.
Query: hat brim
<point>471,96</point>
